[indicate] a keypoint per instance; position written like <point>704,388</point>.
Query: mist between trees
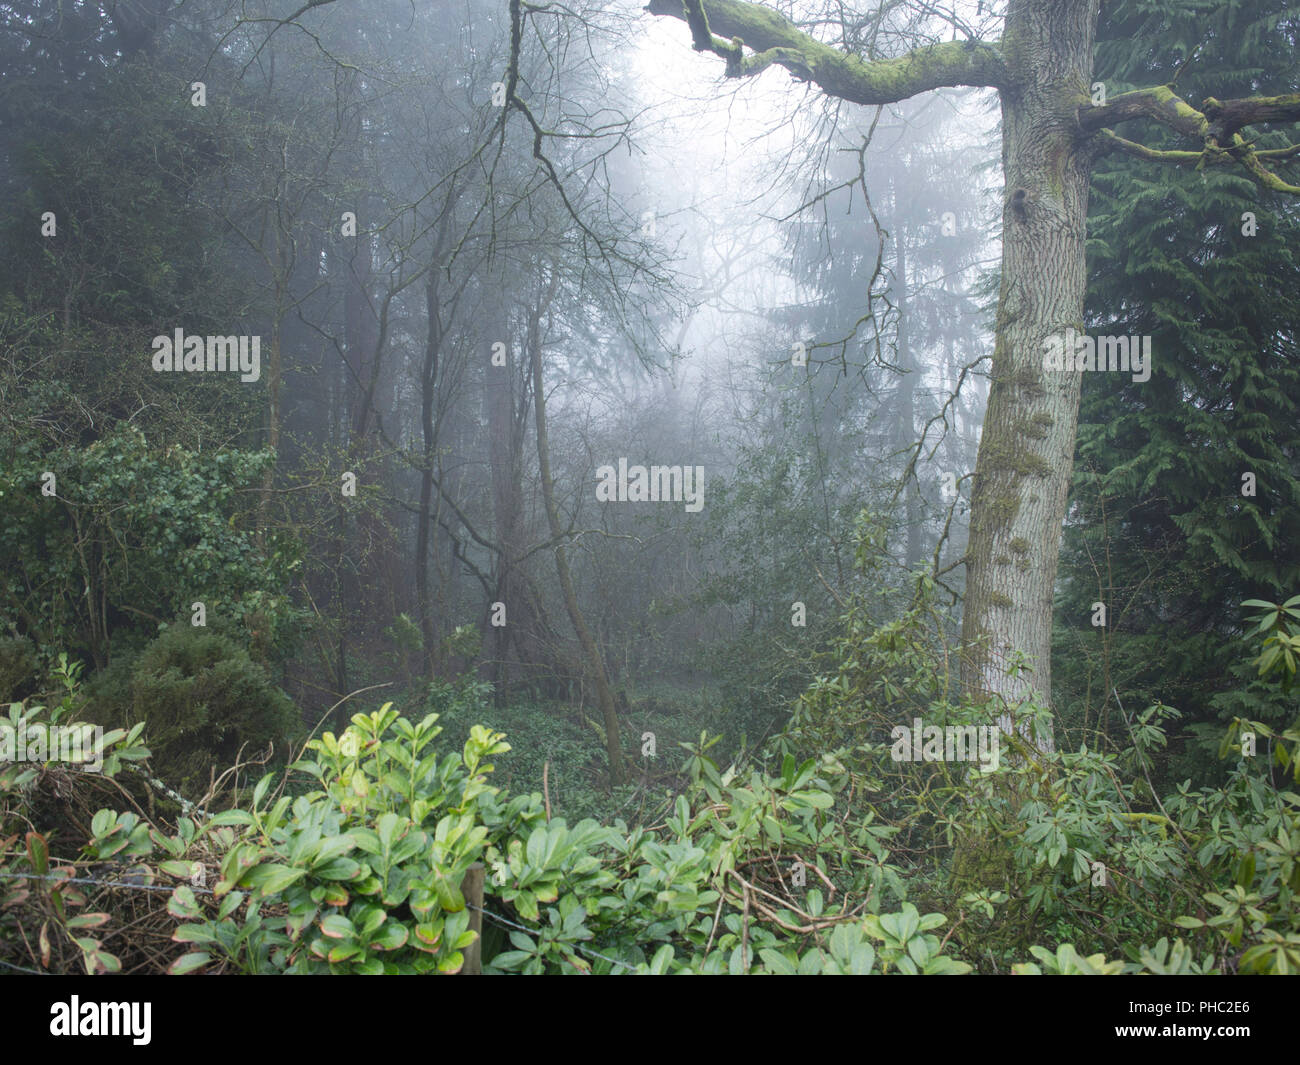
<point>696,396</point>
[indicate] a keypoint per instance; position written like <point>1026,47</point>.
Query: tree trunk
<point>502,411</point>
<point>905,426</point>
<point>273,374</point>
<point>424,520</point>
<point>595,663</point>
<point>1027,448</point>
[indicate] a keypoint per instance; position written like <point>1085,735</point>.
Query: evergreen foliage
<point>1160,529</point>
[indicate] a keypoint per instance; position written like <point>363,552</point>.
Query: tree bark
<point>1026,450</point>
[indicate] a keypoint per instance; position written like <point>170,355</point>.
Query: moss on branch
<point>776,41</point>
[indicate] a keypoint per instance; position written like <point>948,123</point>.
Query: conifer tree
<point>1186,491</point>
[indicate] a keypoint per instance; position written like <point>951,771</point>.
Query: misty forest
<point>512,486</point>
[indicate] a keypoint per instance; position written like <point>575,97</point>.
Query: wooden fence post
<point>472,888</point>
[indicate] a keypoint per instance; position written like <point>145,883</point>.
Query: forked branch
<point>1216,125</point>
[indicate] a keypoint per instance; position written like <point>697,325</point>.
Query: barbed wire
<point>102,883</point>
<point>23,968</point>
<point>506,922</point>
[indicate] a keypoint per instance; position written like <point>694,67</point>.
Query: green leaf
<point>392,936</point>
<point>778,962</point>
<point>271,877</point>
<point>102,822</point>
<point>662,959</point>
<point>1246,871</point>
<point>38,853</point>
<point>232,817</point>
<point>368,919</point>
<point>229,904</point>
<point>188,963</point>
<point>183,903</point>
<point>336,926</point>
<point>194,933</point>
<point>818,800</point>
<point>88,920</point>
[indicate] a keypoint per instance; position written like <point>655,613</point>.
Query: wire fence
<point>101,883</point>
<point>505,922</point>
<point>23,968</point>
<point>495,918</point>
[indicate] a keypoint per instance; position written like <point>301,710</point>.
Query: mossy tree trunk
<point>1027,447</point>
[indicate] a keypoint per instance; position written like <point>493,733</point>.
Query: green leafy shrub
<point>42,908</point>
<point>137,532</point>
<point>838,863</point>
<point>1076,847</point>
<point>202,700</point>
<point>365,886</point>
